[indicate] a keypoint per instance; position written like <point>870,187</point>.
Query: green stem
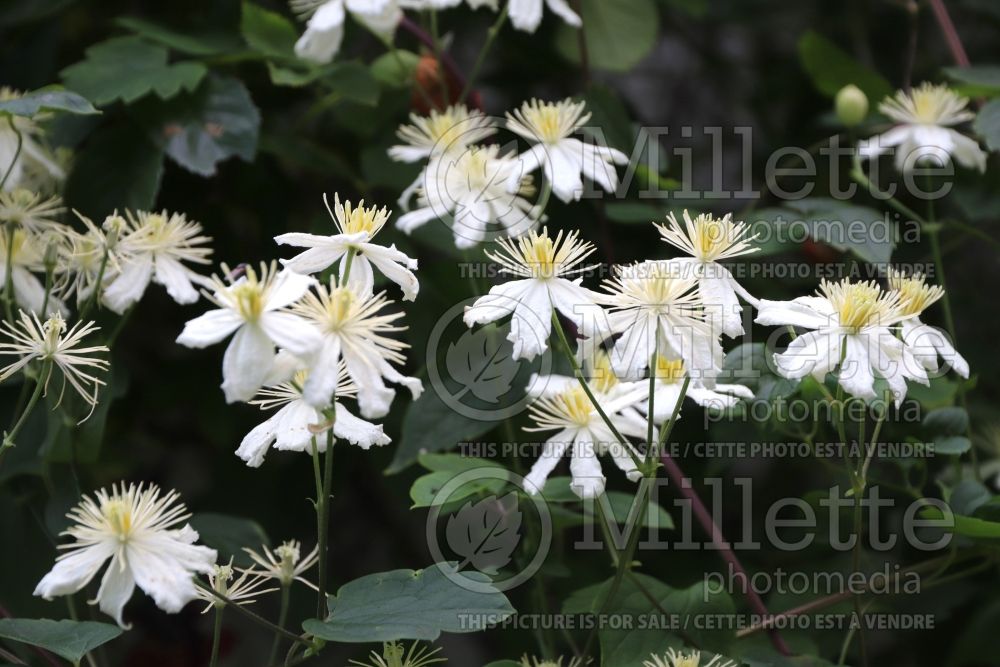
<point>323,510</point>
<point>282,618</point>
<point>216,637</point>
<point>9,438</point>
<point>347,266</point>
<point>491,36</point>
<point>8,281</point>
<point>96,295</point>
<point>17,152</point>
<point>578,372</point>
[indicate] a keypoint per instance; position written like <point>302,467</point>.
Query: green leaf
<point>858,229</point>
<point>183,42</point>
<point>430,425</point>
<point>619,33</point>
<point>128,68</point>
<point>352,81</point>
<point>216,122</point>
<point>952,445</point>
<point>229,535</point>
<point>50,98</point>
<point>68,639</point>
<point>978,80</point>
<point>267,32</point>
<point>118,168</point>
<point>831,69</point>
<point>751,364</point>
<point>408,604</point>
<point>946,421</point>
<point>987,124</point>
<point>609,113</point>
<point>395,69</point>
<point>965,525</point>
<point>444,468</point>
<point>621,504</point>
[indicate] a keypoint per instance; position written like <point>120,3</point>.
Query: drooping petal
<point>396,266</point>
<point>288,288</point>
<point>176,278</point>
<point>552,452</point>
<point>525,14</point>
<point>357,431</point>
<point>324,369</point>
<point>324,33</point>
<point>856,375</point>
<point>210,328</point>
<point>321,251</point>
<point>816,353</point>
<point>254,445</point>
<point>246,363</point>
<point>585,468</point>
<point>74,570</point>
<point>129,286</point>
<point>116,590</point>
<point>291,332</point>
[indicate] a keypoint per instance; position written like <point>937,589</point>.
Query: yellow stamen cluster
<point>453,128</point>
<point>706,237</point>
<point>548,122</point>
<point>602,376</point>
<point>861,305</point>
<point>118,513</point>
<point>927,104</point>
<point>536,255</point>
<point>355,219</point>
<point>669,371</point>
<point>915,295</point>
<point>571,407</point>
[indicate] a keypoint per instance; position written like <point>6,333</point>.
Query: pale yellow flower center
<point>711,236</point>
<point>915,295</point>
<point>540,257</point>
<point>249,297</point>
<point>603,378</point>
<point>575,405</point>
<point>361,219</point>
<point>860,305</point>
<point>548,121</point>
<point>118,514</point>
<point>669,371</point>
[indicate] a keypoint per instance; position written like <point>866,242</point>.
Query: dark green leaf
<point>619,33</point>
<point>217,122</point>
<point>229,535</point>
<point>952,445</point>
<point>50,98</point>
<point>352,81</point>
<point>119,168</point>
<point>621,505</point>
<point>68,639</point>
<point>965,525</point>
<point>946,421</point>
<point>127,68</point>
<point>987,124</point>
<point>267,32</point>
<point>183,42</point>
<point>978,80</point>
<point>831,69</point>
<point>395,69</point>
<point>408,604</point>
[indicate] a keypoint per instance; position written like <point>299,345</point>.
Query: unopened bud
<point>113,226</point>
<point>851,104</point>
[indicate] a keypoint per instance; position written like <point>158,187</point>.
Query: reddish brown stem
<point>424,38</point>
<point>950,34</point>
<point>704,518</point>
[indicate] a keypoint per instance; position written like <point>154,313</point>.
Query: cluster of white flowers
<point>475,186</point>
<point>325,19</point>
<point>665,318</point>
<point>304,345</point>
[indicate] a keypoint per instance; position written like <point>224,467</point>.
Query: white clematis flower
<point>285,563</point>
<point>850,330</point>
<point>31,211</point>
<point>325,26</point>
<point>253,307</point>
<point>352,329</point>
<point>140,531</point>
<point>925,116</point>
<point>451,130</point>
<point>563,406</point>
<point>545,266</point>
<point>526,15</point>
<point>358,226</point>
<point>926,342</point>
<point>564,159</point>
<point>298,424</point>
<point>27,254</point>
<point>154,248</point>
<point>670,376</point>
<point>471,188</point>
<point>656,307</point>
<point>242,591</point>
<point>708,240</point>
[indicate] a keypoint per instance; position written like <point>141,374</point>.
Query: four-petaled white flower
<point>27,254</point>
<point>563,158</point>
<point>285,563</point>
<point>708,240</point>
<point>527,14</point>
<point>358,226</point>
<point>298,424</point>
<point>656,307</point>
<point>254,308</point>
<point>563,406</point>
<point>325,25</point>
<point>50,342</point>
<point>471,188</point>
<point>242,591</point>
<point>926,342</point>
<point>140,531</point>
<point>925,116</point>
<point>153,248</point>
<point>545,266</point>
<point>670,376</point>
<point>352,329</point>
<point>850,330</point>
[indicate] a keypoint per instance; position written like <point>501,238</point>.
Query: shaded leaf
<point>831,68</point>
<point>987,124</point>
<point>408,604</point>
<point>68,639</point>
<point>50,98</point>
<point>485,534</point>
<point>480,360</point>
<point>229,535</point>
<point>269,33</point>
<point>619,33</point>
<point>127,68</point>
<point>183,42</point>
